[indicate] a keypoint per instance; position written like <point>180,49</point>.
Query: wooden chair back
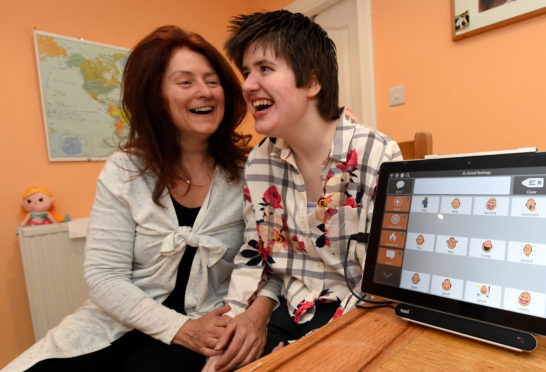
<point>420,146</point>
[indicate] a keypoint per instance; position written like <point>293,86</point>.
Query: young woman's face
<point>270,90</point>
<point>194,95</point>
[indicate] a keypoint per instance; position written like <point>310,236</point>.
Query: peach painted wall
<point>484,93</point>
<point>23,154</point>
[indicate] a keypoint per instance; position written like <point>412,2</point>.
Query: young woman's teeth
<point>262,104</point>
<point>202,110</point>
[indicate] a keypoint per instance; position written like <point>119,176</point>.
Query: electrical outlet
<point>397,96</point>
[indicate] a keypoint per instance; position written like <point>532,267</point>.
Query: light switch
<point>396,96</point>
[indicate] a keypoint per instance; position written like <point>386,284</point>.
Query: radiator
<point>53,266</point>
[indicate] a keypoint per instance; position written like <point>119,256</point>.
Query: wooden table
<point>378,340</point>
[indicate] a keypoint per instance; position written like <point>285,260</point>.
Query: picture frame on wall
<point>471,17</point>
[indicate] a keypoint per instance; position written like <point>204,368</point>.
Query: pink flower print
<point>274,229</point>
<point>246,194</point>
<point>324,201</point>
<point>299,244</point>
<point>350,202</point>
<point>350,164</point>
<point>264,253</point>
<point>258,254</point>
<point>323,212</point>
<point>338,313</point>
<point>278,240</point>
<point>352,160</point>
<point>329,213</point>
<point>302,308</point>
<point>272,197</point>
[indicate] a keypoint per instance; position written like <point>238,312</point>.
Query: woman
<point>166,222</point>
<point>309,187</point>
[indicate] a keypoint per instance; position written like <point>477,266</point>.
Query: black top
<point>186,217</point>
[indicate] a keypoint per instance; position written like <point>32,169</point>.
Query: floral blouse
<point>296,254</point>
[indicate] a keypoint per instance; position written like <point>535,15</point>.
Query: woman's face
<point>278,106</point>
<point>193,93</point>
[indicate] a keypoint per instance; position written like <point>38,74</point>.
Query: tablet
<point>463,236</point>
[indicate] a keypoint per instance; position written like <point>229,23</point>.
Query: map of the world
<point>80,86</point>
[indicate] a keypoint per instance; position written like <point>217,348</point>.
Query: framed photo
<point>471,17</point>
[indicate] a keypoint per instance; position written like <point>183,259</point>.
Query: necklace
<point>188,181</point>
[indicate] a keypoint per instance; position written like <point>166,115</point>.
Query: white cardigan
<point>133,251</point>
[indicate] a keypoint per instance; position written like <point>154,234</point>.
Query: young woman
<point>309,186</point>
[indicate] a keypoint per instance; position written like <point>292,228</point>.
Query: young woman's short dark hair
<point>152,135</point>
<point>302,43</point>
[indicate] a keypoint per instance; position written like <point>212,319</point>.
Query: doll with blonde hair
<point>37,207</point>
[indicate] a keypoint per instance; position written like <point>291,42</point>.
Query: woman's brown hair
<point>153,137</point>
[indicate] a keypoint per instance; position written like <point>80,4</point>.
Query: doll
<point>37,207</point>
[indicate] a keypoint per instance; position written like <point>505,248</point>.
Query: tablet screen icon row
<point>513,299</point>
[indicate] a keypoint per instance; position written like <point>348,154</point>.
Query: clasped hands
<point>228,342</point>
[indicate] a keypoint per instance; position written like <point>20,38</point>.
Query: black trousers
<point>281,326</point>
<point>134,351</point>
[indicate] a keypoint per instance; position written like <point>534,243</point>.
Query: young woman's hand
<point>245,337</point>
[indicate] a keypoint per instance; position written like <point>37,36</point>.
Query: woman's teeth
<point>262,104</point>
<point>202,110</point>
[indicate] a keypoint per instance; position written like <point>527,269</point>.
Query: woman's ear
<point>313,86</point>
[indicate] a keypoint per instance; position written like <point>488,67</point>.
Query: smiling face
<point>524,299</point>
<point>193,94</point>
<point>531,204</point>
<point>271,93</point>
<point>446,285</point>
<point>491,204</point>
<point>455,203</point>
<point>487,246</point>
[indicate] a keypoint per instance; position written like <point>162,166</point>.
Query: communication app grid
<point>474,236</point>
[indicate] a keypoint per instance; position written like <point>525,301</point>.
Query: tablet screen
<point>465,236</point>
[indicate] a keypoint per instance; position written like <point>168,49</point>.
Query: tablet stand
<point>485,332</point>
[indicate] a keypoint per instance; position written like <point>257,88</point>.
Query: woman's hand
<point>203,334</point>
<point>246,336</point>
